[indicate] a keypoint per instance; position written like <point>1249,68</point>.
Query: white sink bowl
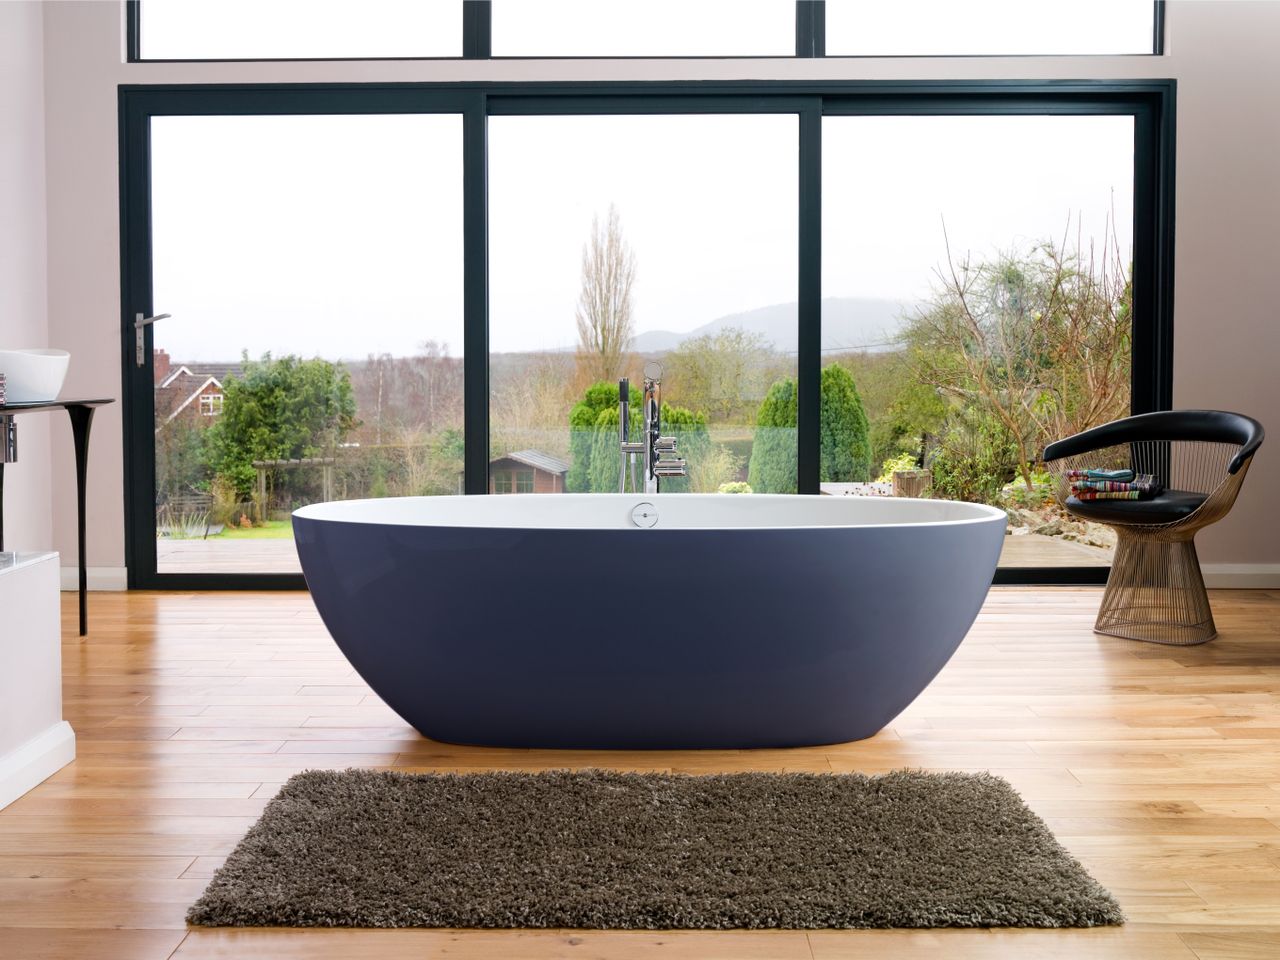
<point>33,376</point>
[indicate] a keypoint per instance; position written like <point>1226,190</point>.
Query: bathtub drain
<point>644,514</point>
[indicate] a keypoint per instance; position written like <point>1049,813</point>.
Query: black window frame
<point>477,41</point>
<point>1152,104</point>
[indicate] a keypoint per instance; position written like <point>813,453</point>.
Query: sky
<point>342,236</point>
<point>214,29</point>
<point>896,190</point>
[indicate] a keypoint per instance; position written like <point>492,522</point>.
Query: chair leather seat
<point>1170,507</point>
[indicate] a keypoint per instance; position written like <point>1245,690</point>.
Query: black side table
<point>81,414</point>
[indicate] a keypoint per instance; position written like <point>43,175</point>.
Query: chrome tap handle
<point>624,416</point>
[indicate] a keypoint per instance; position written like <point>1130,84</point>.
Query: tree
<point>1037,343</point>
<point>181,468</point>
<point>846,451</point>
<point>397,394</point>
<point>280,409</point>
<point>772,468</point>
<point>604,314</point>
<point>723,373</point>
<point>528,397</point>
<point>915,414</point>
<point>600,399</point>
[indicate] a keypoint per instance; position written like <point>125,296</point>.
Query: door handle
<point>140,324</point>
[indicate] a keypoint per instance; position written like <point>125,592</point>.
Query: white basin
<point>33,376</point>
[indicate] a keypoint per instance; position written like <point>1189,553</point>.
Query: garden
<point>1007,354</point>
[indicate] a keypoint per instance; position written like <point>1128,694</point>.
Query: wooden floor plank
<point>1234,944</point>
<point>492,945</point>
<point>1158,767</point>
<point>33,943</point>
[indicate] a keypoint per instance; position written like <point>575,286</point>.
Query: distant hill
<point>847,322</point>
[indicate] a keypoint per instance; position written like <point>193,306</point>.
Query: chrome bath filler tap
<point>653,446</point>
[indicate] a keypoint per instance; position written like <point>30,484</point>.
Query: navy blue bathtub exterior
<point>732,639</point>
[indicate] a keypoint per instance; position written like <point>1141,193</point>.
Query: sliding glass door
<point>617,241</point>
<point>850,289</point>
<point>977,290</point>
<point>313,268</point>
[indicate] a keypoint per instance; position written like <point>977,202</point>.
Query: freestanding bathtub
<point>614,621</point>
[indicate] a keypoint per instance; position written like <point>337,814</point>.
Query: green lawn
<point>271,530</point>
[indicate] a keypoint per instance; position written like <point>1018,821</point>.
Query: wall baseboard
<point>1247,576</point>
<point>35,761</point>
<point>100,578</point>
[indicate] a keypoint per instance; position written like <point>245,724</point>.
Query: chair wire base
<point>1155,591</point>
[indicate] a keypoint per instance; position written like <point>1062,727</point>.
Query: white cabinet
<point>35,742</point>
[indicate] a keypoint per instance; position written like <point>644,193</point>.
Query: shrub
<point>740,448</point>
<point>693,443</point>
<point>1041,492</point>
<point>735,486</point>
<point>772,468</point>
<point>585,422</point>
<point>846,452</point>
<point>593,440</point>
<point>181,459</point>
<point>904,461</point>
<point>713,468</point>
<point>976,457</point>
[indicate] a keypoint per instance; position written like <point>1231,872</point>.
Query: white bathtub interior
<point>681,511</point>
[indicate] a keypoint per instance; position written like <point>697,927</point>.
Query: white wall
<point>1222,53</point>
<point>23,315</point>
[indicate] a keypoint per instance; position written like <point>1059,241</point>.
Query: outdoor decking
<point>1037,550</point>
<point>279,556</point>
<point>227,556</point>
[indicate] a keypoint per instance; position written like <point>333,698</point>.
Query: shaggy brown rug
<point>604,850</point>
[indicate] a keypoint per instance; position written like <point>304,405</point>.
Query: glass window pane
<point>993,27</point>
<point>299,29</point>
<point>699,269</point>
<point>313,268</point>
<point>976,291</point>
<point>644,28</point>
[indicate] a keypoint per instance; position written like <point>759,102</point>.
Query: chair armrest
<point>1098,438</point>
<point>1209,426</point>
<point>1245,454</point>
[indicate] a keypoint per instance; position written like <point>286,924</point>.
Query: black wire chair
<point>1155,591</point>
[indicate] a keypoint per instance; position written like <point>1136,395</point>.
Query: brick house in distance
<point>191,392</point>
<point>527,471</point>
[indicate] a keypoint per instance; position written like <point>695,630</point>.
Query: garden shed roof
<point>538,460</point>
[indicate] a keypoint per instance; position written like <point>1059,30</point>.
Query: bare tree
<point>530,395</point>
<point>1040,343</point>
<point>605,322</point>
<point>424,390</point>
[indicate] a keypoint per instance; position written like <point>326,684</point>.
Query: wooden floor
<point>1158,767</point>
